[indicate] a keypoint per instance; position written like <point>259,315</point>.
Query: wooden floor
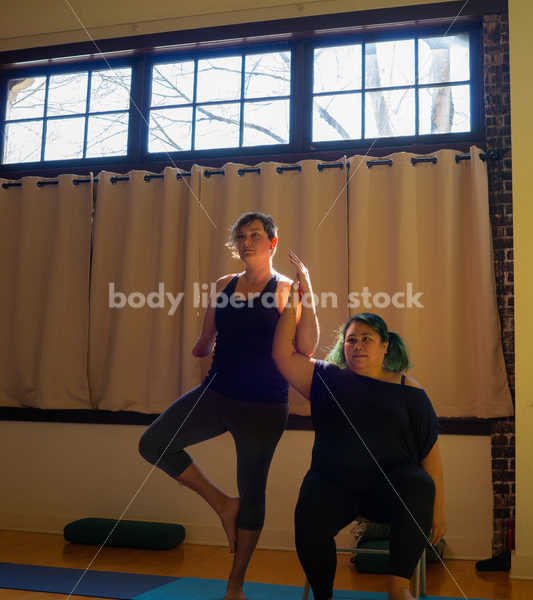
<point>267,566</point>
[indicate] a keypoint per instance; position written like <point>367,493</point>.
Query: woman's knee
<point>423,486</point>
<point>413,482</point>
<point>147,448</point>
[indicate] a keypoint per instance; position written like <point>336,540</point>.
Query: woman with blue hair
<point>375,453</point>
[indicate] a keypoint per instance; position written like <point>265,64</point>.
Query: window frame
<point>300,145</point>
<point>71,67</point>
<point>196,154</point>
<point>443,139</point>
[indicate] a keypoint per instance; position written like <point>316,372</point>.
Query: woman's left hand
<point>438,528</point>
<point>302,274</point>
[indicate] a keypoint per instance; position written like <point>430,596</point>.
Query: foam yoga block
<point>127,534</point>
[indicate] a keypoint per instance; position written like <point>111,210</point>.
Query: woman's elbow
<point>306,348</point>
<point>306,353</point>
<point>202,348</point>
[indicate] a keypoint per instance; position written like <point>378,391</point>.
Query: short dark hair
<point>268,224</point>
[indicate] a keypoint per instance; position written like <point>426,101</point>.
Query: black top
<point>394,423</point>
<point>242,359</point>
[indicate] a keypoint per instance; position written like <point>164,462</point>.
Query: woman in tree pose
<point>244,393</point>
<point>376,451</point>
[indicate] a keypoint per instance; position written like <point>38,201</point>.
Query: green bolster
<point>126,534</point>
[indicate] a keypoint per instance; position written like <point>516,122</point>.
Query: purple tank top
<point>242,360</point>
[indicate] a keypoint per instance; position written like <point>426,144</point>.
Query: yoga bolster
<point>127,534</point>
<point>372,563</point>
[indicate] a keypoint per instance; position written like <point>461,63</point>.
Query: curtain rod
<point>492,155</point>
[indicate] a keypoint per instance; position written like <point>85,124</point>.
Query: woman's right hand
<point>307,334</point>
<point>302,274</point>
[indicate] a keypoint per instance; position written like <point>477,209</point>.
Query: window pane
<point>22,142</point>
<point>444,109</point>
<point>266,123</point>
<point>25,97</point>
<point>337,69</point>
<point>267,75</point>
<point>64,138</point>
<point>389,113</point>
<point>67,94</point>
<point>219,79</point>
<point>390,64</point>
<point>170,129</point>
<point>110,90</point>
<point>107,135</point>
<point>173,83</point>
<point>444,59</point>
<point>337,117</point>
<point>217,126</point>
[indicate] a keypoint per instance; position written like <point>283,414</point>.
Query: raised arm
<point>295,367</point>
<point>307,331</point>
<point>432,464</point>
<point>206,342</point>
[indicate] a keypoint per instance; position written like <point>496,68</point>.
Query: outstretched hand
<point>302,274</point>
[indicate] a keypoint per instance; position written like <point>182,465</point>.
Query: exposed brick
<point>502,452</point>
<point>499,440</point>
<point>499,501</point>
<point>499,465</point>
<point>498,137</point>
<point>505,476</point>
<point>501,488</point>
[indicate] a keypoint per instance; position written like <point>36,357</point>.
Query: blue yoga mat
<point>133,586</point>
<point>189,588</point>
<point>105,584</point>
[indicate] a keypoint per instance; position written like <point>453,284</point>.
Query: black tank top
<point>242,360</point>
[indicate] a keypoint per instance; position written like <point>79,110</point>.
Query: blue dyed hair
<point>396,359</point>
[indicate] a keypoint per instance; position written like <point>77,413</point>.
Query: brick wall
<point>498,138</point>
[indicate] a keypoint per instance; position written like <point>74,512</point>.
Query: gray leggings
<point>256,428</point>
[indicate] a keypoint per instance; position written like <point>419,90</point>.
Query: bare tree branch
<point>324,114</point>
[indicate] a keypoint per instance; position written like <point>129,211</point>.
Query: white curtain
<point>422,232</point>
<point>411,242</point>
<point>45,234</point>
<point>146,247</point>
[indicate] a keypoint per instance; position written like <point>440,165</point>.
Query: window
<point>389,89</point>
<point>227,102</point>
<point>83,114</point>
<point>291,96</point>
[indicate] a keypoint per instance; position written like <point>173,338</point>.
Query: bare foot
<point>234,596</point>
<point>228,516</point>
<point>234,592</point>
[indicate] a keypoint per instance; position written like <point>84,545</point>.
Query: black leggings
<point>325,507</point>
<point>256,428</point>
